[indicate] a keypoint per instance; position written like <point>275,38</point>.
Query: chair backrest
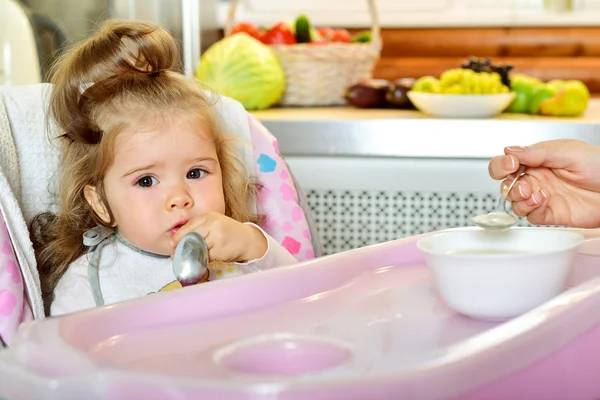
<point>30,178</point>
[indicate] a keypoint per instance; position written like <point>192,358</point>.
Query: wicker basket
<point>320,75</point>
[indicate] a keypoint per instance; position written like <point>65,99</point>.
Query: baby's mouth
<point>176,227</point>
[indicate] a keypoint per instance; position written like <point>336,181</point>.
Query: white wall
<point>421,13</point>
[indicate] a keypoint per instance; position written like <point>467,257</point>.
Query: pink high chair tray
<point>365,324</point>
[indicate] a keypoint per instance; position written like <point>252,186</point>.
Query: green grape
<point>486,83</point>
<point>476,82</point>
<point>496,77</point>
<point>469,81</point>
<point>451,77</point>
<point>427,84</point>
<point>468,74</point>
<point>494,88</point>
<point>453,89</point>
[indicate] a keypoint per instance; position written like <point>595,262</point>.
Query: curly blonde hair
<point>124,73</point>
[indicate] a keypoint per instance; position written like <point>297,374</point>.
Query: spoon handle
<point>501,206</point>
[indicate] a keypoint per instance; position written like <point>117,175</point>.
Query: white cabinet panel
<point>586,4</point>
<point>362,201</point>
<point>487,4</point>
<point>348,5</point>
<point>419,13</point>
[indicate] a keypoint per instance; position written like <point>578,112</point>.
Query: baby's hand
<point>227,239</point>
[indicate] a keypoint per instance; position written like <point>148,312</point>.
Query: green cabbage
<point>244,69</point>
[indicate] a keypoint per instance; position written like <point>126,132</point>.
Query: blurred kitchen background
<point>547,39</point>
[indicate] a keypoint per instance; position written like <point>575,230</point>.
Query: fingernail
<point>516,149</point>
<point>543,193</point>
<point>536,197</point>
<point>509,164</point>
<point>520,188</point>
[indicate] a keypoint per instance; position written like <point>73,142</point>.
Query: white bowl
<point>461,105</point>
<point>497,275</point>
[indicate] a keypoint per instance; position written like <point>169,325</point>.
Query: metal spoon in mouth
<point>499,219</point>
<point>190,259</point>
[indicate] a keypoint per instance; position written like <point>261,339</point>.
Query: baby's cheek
<point>139,223</point>
<point>210,198</point>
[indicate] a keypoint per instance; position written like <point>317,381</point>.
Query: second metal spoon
<point>500,218</point>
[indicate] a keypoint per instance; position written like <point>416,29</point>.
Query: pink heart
<point>287,193</point>
<point>6,247</point>
<point>292,245</point>
<point>8,302</point>
<point>13,270</point>
<point>306,233</point>
<point>296,214</point>
<point>309,254</point>
<point>284,174</point>
<point>287,227</point>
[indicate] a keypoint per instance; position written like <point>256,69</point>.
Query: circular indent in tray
<point>283,355</point>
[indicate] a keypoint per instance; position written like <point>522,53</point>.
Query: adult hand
<point>561,185</point>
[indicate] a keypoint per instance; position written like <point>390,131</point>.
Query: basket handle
<point>372,4</point>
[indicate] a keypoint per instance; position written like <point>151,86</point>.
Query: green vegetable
<point>244,69</point>
<point>362,37</point>
<point>303,29</point>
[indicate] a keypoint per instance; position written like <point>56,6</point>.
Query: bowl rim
<point>579,240</point>
<point>455,95</point>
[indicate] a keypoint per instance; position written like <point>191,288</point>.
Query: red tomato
<point>341,35</point>
<point>261,35</point>
<point>280,34</point>
<point>246,27</point>
<point>325,33</point>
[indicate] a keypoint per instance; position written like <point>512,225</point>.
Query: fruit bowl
<point>461,105</point>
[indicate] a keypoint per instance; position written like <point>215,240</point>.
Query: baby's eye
<point>195,173</point>
<point>147,181</point>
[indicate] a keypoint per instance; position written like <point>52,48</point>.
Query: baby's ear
<point>95,201</point>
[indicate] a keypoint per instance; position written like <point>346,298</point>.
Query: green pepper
<point>362,37</point>
<point>303,29</point>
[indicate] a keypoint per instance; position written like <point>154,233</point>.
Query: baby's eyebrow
<point>201,159</point>
<point>139,169</point>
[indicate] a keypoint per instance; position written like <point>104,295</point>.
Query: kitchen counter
<point>345,131</point>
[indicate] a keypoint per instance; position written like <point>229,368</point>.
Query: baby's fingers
<point>194,225</point>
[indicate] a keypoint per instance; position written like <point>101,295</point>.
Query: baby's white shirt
<point>125,273</point>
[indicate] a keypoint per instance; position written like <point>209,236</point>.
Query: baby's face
<point>162,177</point>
